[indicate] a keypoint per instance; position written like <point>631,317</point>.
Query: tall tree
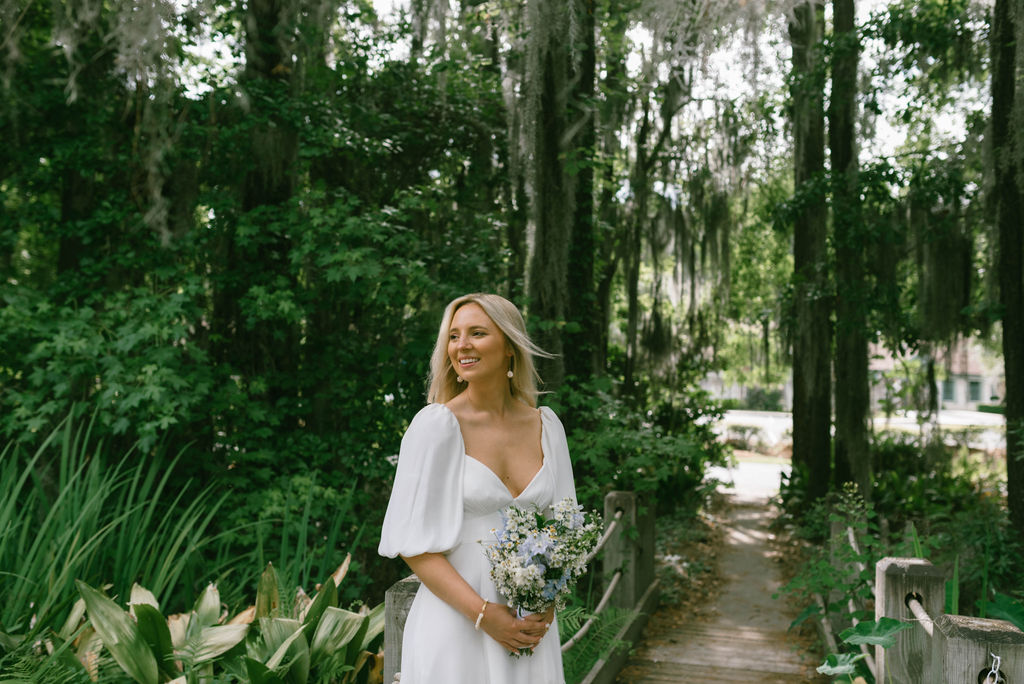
<point>812,381</point>
<point>852,460</point>
<point>1008,153</point>
<point>547,78</point>
<point>585,337</point>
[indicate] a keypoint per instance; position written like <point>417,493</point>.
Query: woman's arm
<point>498,622</point>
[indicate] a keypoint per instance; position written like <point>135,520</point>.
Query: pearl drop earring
<point>458,378</point>
<point>510,373</point>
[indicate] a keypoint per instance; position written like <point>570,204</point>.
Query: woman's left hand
<point>538,624</point>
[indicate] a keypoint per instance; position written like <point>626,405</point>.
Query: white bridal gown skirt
<point>440,645</point>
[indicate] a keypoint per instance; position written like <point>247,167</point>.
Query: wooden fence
<point>628,569</point>
<point>941,648</point>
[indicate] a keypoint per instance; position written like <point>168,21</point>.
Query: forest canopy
<point>231,227</point>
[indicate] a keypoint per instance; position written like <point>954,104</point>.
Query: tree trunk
<point>639,183</point>
<point>582,312</point>
<point>812,381</point>
<point>852,458</point>
<point>1008,156</point>
<point>552,191</point>
<point>263,347</point>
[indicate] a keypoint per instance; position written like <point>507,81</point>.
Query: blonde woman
<point>478,446</point>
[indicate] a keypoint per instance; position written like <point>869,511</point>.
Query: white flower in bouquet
<point>535,561</point>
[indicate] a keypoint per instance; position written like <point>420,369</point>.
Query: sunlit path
<point>746,639</point>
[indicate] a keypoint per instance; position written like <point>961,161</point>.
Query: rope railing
<point>922,616</point>
<point>604,537</point>
<point>603,603</point>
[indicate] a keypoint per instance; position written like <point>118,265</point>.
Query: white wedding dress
<point>444,501</point>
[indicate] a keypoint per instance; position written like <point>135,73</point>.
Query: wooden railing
<point>627,566</point>
<point>942,648</point>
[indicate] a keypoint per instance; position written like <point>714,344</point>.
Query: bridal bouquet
<point>536,561</point>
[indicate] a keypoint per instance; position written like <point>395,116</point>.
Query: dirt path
<point>742,636</point>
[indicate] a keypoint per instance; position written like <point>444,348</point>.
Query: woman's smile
<point>476,347</point>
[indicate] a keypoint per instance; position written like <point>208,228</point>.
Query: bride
<point>479,446</point>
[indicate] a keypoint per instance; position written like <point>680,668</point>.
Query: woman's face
<point>476,346</point>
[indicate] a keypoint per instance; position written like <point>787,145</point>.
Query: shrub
<point>662,452</point>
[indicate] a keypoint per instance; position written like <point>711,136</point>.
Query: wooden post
<point>909,661</point>
<point>963,648</point>
<point>622,550</point>
<point>397,601</point>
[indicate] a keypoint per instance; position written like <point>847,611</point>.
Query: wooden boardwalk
<point>745,639</point>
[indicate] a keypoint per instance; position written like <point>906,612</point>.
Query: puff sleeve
<point>424,514</point>
<point>556,447</point>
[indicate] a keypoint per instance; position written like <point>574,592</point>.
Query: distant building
<point>967,375</point>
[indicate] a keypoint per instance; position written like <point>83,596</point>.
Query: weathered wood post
<point>619,552</point>
<point>963,648</point>
<point>397,601</point>
<point>909,661</point>
<point>629,549</point>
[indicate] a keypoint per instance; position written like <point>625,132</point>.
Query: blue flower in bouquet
<point>539,543</point>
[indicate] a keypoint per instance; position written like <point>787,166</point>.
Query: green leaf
<point>840,664</point>
<point>809,611</point>
<point>326,598</point>
<point>74,617</point>
<point>120,635</point>
<point>374,627</point>
<point>1007,608</point>
<point>287,636</point>
<point>267,597</point>
<point>153,628</point>
<point>876,633</point>
<point>9,642</point>
<point>260,673</point>
<point>336,630</point>
<point>207,608</point>
<point>214,641</point>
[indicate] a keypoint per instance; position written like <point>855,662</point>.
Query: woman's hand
<point>515,633</point>
<point>539,623</point>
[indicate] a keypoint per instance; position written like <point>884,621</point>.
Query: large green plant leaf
<point>153,628</point>
<point>374,628</point>
<point>878,633</point>
<point>286,639</point>
<point>120,635</point>
<point>207,607</point>
<point>1007,608</point>
<point>326,598</point>
<point>840,664</point>
<point>212,642</point>
<point>338,629</point>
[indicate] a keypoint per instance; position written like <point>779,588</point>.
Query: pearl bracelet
<point>480,617</point>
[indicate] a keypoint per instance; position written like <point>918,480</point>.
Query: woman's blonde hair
<point>443,381</point>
